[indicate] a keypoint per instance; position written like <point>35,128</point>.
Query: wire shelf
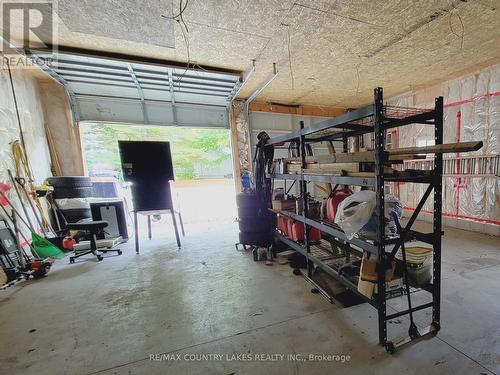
<point>395,112</point>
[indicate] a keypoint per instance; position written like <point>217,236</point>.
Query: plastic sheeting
<point>471,112</point>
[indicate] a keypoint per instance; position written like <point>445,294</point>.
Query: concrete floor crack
<point>217,339</point>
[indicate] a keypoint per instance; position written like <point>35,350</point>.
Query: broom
<point>41,246</point>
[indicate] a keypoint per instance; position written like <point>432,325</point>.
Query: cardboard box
<point>391,285</point>
<point>366,288</point>
<point>368,270</point>
<point>284,205</point>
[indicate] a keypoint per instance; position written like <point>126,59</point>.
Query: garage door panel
<point>110,110</point>
<point>203,116</point>
<point>82,89</point>
<point>183,97</point>
<point>157,95</point>
<point>160,113</point>
<point>117,90</point>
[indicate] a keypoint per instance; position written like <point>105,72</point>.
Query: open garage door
<point>125,91</point>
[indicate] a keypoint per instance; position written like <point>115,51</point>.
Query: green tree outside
<point>191,147</point>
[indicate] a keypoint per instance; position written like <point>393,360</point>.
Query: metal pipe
<point>263,87</point>
<point>257,93</point>
<point>246,78</point>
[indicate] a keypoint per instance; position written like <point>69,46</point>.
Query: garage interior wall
<point>477,97</point>
<point>471,112</point>
<point>29,100</point>
<point>276,124</point>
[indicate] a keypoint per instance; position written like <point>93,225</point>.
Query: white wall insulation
<point>471,112</point>
<point>32,120</point>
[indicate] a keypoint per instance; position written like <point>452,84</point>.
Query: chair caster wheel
<point>297,272</point>
<point>72,260</point>
<point>99,258</point>
<point>119,252</point>
<point>389,347</point>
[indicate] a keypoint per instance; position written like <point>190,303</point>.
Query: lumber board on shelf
<point>395,154</point>
<point>338,174</point>
<point>445,148</point>
<point>351,157</point>
<point>325,167</point>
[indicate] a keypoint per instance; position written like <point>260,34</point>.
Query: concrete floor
<point>110,317</point>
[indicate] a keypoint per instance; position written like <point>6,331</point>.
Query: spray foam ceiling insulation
<point>120,19</point>
<point>340,50</point>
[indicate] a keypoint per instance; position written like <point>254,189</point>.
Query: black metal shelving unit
<point>376,119</point>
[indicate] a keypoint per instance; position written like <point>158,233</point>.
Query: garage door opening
<point>203,190</point>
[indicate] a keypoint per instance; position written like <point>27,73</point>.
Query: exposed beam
<point>302,110</point>
<point>139,59</point>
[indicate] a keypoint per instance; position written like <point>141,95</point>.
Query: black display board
<point>148,166</point>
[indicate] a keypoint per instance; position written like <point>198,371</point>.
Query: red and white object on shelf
<point>333,202</point>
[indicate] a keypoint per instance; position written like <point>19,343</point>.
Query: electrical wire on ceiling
<point>358,65</point>
<point>186,41</point>
<point>179,18</point>
<point>289,53</point>
<point>290,59</point>
<point>460,35</point>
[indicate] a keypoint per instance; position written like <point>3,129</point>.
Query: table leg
<point>149,227</point>
<point>175,228</point>
<point>136,225</point>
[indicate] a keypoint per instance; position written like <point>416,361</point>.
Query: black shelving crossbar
<point>341,180</point>
<point>380,119</point>
<point>352,180</point>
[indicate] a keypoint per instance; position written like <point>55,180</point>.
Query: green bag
<point>46,249</point>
